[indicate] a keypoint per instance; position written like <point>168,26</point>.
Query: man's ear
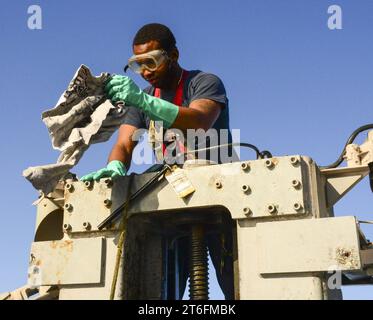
<point>174,55</point>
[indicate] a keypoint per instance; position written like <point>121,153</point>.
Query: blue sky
<point>295,87</point>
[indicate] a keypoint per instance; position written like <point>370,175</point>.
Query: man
<point>180,99</point>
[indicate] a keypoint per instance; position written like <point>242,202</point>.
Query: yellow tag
<point>180,183</point>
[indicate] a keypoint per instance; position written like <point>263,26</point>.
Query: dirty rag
<point>82,116</point>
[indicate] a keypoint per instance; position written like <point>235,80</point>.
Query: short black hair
<point>158,32</point>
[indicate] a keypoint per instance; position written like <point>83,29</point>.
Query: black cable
<point>349,141</point>
<point>265,154</point>
<point>117,212</point>
<point>259,154</point>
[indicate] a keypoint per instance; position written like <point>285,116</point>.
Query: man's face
<point>159,77</point>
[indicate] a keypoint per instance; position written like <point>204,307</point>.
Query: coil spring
<point>198,268</point>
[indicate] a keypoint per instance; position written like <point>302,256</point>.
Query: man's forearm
<point>120,153</point>
<point>201,114</point>
<point>190,119</point>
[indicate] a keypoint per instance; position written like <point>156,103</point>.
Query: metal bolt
<point>108,182</point>
<point>297,206</point>
<point>218,185</point>
<point>246,188</point>
<point>88,184</point>
<point>245,166</point>
<point>68,207</point>
<point>247,211</point>
<point>86,225</point>
<point>272,209</point>
<point>269,163</point>
<point>296,184</point>
<point>66,227</point>
<point>294,161</point>
<point>107,203</point>
<point>69,187</point>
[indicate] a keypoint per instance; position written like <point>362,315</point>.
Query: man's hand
<point>121,88</point>
<point>114,168</point>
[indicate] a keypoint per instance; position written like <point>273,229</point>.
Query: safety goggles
<point>150,61</point>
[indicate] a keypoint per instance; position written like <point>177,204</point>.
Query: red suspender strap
<point>178,100</point>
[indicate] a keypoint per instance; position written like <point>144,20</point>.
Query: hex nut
<point>269,163</point>
<point>245,188</point>
<point>107,203</point>
<point>272,209</point>
<point>108,182</point>
<point>247,211</point>
<point>86,225</point>
<point>69,187</point>
<point>296,184</point>
<point>245,166</point>
<point>66,227</point>
<point>68,207</point>
<point>297,206</point>
<point>294,161</point>
<point>88,184</point>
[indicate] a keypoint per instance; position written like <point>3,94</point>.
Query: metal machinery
<point>279,211</point>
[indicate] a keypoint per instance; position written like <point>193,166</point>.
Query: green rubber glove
<point>121,88</point>
<point>114,168</point>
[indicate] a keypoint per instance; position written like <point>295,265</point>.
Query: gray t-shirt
<point>197,85</point>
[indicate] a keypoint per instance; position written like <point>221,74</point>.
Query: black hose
<point>349,141</point>
<point>259,154</point>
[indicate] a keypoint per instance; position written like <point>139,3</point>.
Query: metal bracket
<point>370,165</point>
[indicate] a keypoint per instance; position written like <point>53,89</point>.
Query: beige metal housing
<point>287,242</point>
